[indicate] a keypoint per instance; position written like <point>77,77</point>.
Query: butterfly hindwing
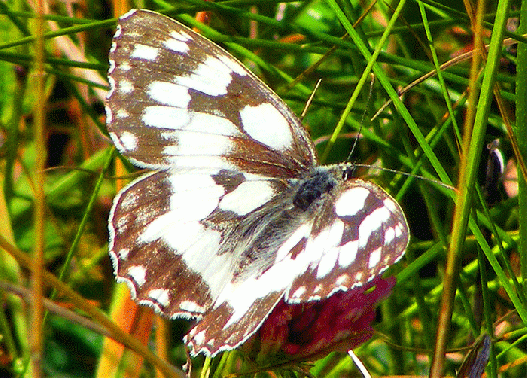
<point>347,236</point>
<point>357,236</point>
<point>142,221</point>
<point>171,234</point>
<point>220,331</point>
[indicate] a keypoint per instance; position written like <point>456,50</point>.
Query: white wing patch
<point>145,52</point>
<point>267,125</point>
<point>165,117</point>
<point>375,257</point>
<point>127,141</point>
<point>247,197</point>
<point>125,87</point>
<point>389,235</point>
<point>372,223</point>
<point>191,307</point>
<point>122,113</point>
<point>138,274</point>
<point>125,66</point>
<point>123,253</point>
<point>233,65</point>
<point>324,248</point>
<point>351,201</point>
<point>202,122</point>
<point>180,119</point>
<point>349,253</point>
<point>189,144</point>
<point>167,93</point>
<point>211,77</point>
<point>178,42</point>
<point>160,296</point>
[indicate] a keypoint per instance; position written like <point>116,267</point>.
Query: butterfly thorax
<point>319,182</point>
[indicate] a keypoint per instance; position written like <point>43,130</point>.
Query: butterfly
<point>236,213</point>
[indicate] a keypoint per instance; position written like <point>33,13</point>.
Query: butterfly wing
<point>169,238</point>
<point>342,239</point>
<point>266,240</point>
<point>141,252</point>
<point>178,100</point>
<point>356,236</point>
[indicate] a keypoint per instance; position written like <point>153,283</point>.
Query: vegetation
<point>430,147</point>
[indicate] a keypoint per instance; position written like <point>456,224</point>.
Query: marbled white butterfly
<point>236,214</point>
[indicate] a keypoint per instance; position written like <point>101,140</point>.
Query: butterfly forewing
<point>178,100</point>
<point>237,215</point>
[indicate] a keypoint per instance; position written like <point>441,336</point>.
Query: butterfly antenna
<point>362,118</point>
<point>450,187</point>
<point>359,364</point>
<point>310,99</point>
